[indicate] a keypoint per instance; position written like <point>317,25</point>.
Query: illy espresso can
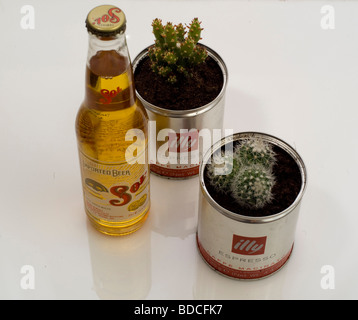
<point>241,246</point>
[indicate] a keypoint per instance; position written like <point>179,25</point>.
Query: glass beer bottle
<point>112,130</point>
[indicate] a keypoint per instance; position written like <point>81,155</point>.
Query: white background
<point>288,77</point>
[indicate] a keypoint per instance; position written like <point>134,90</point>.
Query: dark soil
<point>285,191</point>
<point>188,93</point>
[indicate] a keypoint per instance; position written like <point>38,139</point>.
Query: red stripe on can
<point>174,173</point>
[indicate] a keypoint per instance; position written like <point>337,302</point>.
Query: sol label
<point>108,17</point>
<point>114,192</point>
<point>122,193</point>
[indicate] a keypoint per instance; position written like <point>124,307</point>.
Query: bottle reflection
<point>175,205</point>
<point>121,266</point>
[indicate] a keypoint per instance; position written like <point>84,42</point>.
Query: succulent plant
<point>252,186</point>
<point>246,173</point>
<point>175,50</point>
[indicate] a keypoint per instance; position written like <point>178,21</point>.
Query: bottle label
<point>116,192</point>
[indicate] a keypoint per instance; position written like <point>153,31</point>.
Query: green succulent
<point>175,50</point>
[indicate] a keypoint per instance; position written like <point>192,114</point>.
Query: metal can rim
<point>269,138</point>
<point>192,112</point>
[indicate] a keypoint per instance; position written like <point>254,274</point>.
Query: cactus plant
<point>221,171</point>
<point>252,186</point>
<point>173,54</point>
<point>256,151</point>
<point>246,173</point>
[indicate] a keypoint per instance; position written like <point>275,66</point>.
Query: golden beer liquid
<point>116,193</point>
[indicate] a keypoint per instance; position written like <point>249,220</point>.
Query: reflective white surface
<point>288,77</point>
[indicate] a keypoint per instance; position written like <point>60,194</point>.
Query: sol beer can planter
<point>183,129</point>
<point>241,246</point>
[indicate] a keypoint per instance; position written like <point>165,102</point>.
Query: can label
<point>181,160</point>
<point>248,245</point>
<point>244,266</point>
<point>115,192</point>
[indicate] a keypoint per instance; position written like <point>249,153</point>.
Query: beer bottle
<point>112,130</point>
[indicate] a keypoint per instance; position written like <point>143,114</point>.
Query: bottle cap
<point>106,20</point>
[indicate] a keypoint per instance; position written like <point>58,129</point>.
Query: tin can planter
<point>178,152</point>
<point>250,245</point>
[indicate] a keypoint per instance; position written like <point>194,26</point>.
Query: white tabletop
<point>293,73</point>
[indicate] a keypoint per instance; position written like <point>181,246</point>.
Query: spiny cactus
<point>246,173</point>
<point>173,53</point>
<point>252,186</point>
<point>221,171</point>
<point>256,151</point>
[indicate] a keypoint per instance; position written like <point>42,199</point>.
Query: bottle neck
<point>107,56</point>
<point>109,78</point>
